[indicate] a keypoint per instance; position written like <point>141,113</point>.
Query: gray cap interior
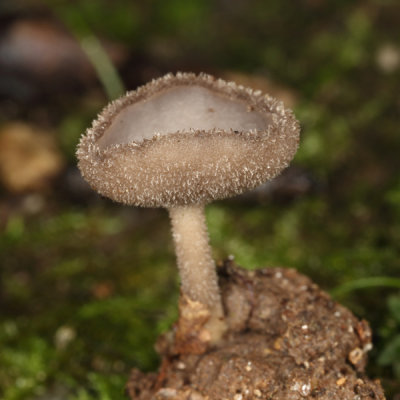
<point>182,108</point>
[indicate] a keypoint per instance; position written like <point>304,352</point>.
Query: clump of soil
<point>286,339</point>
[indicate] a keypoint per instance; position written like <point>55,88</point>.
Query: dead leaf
<point>28,158</point>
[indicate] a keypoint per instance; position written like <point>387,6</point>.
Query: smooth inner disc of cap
<point>181,108</point>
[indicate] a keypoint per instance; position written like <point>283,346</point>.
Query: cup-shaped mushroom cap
<point>187,139</point>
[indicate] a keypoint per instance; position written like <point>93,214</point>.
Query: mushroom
<point>180,142</point>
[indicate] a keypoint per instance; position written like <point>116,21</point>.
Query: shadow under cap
<point>187,139</point>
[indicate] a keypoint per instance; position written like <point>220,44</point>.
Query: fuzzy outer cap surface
<point>193,166</point>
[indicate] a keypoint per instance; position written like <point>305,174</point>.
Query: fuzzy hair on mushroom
<point>180,142</point>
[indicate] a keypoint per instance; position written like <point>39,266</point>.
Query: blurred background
<point>87,285</point>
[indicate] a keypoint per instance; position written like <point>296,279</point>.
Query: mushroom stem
<point>199,279</point>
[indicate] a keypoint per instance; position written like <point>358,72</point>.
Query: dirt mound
<point>286,339</point>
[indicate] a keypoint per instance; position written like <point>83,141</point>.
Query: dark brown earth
<point>286,339</point>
